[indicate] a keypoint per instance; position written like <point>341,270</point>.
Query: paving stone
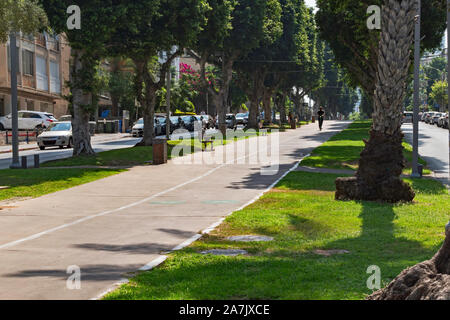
<point>328,253</point>
<point>225,252</point>
<point>250,238</point>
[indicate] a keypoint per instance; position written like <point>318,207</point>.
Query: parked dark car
<point>189,122</point>
<point>230,120</point>
<point>173,126</point>
<point>205,119</point>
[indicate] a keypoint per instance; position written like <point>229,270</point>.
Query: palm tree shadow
<point>378,245</point>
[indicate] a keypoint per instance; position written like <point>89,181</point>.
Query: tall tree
<point>380,65</point>
<point>20,15</point>
<point>234,28</point>
<point>343,24</point>
<point>88,46</point>
<point>152,34</point>
<point>381,162</point>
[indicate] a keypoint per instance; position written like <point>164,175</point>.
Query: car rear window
<point>50,116</point>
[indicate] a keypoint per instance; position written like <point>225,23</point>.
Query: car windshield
<point>60,127</point>
<point>230,117</point>
<point>187,119</point>
<point>140,121</point>
<point>241,115</point>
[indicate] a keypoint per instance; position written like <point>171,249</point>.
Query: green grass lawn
<point>38,182</point>
<point>302,216</point>
<point>138,155</point>
<point>342,151</point>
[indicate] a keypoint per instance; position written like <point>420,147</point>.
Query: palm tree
<point>382,162</point>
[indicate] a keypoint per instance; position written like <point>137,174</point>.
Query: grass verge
<point>38,182</point>
<point>302,216</point>
<point>139,155</point>
<point>343,150</point>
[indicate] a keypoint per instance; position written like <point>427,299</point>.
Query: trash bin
<point>159,151</point>
<point>293,124</point>
<point>313,119</point>
<point>420,169</point>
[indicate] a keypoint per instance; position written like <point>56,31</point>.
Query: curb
<point>23,149</point>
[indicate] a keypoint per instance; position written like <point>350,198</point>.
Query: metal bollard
<point>28,141</point>
<point>24,162</point>
<point>36,161</point>
<point>7,137</point>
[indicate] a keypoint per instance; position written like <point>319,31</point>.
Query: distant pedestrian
<point>321,115</point>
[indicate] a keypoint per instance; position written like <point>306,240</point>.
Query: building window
<point>41,73</point>
<point>46,107</point>
<point>30,105</point>
<point>27,62</point>
<point>55,82</point>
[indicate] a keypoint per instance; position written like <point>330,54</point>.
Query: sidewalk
<point>115,226</point>
<point>102,137</point>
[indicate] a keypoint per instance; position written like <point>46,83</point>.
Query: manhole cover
<point>328,253</point>
<point>225,252</point>
<point>250,238</point>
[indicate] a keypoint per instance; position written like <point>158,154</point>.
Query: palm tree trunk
<point>381,162</point>
<point>428,280</point>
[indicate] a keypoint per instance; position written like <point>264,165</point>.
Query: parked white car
<point>58,134</point>
<point>138,128</point>
<point>28,120</point>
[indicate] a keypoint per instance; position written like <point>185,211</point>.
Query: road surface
<point>112,227</point>
<point>433,147</point>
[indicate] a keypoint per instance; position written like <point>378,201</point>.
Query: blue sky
<point>310,3</point>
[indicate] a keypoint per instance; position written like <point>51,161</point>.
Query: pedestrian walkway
<point>112,227</point>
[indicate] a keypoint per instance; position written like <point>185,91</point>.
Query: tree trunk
<point>381,162</point>
<point>114,106</point>
<point>149,124</point>
<point>146,93</point>
<point>429,280</point>
<point>267,100</point>
<point>253,112</point>
<point>80,122</point>
<point>255,93</point>
<point>282,108</point>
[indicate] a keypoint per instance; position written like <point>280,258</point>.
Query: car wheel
<point>42,148</point>
<point>2,128</point>
<point>70,144</point>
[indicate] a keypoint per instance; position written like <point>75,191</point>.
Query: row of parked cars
<point>435,118</point>
<point>189,123</point>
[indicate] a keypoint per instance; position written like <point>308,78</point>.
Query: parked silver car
<point>443,121</point>
<point>58,134</point>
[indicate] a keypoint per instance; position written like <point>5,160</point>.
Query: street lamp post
<point>14,112</point>
<point>415,158</point>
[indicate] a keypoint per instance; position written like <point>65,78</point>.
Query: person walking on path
<point>321,115</point>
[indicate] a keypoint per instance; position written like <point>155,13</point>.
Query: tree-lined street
<point>115,226</point>
<point>294,173</point>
